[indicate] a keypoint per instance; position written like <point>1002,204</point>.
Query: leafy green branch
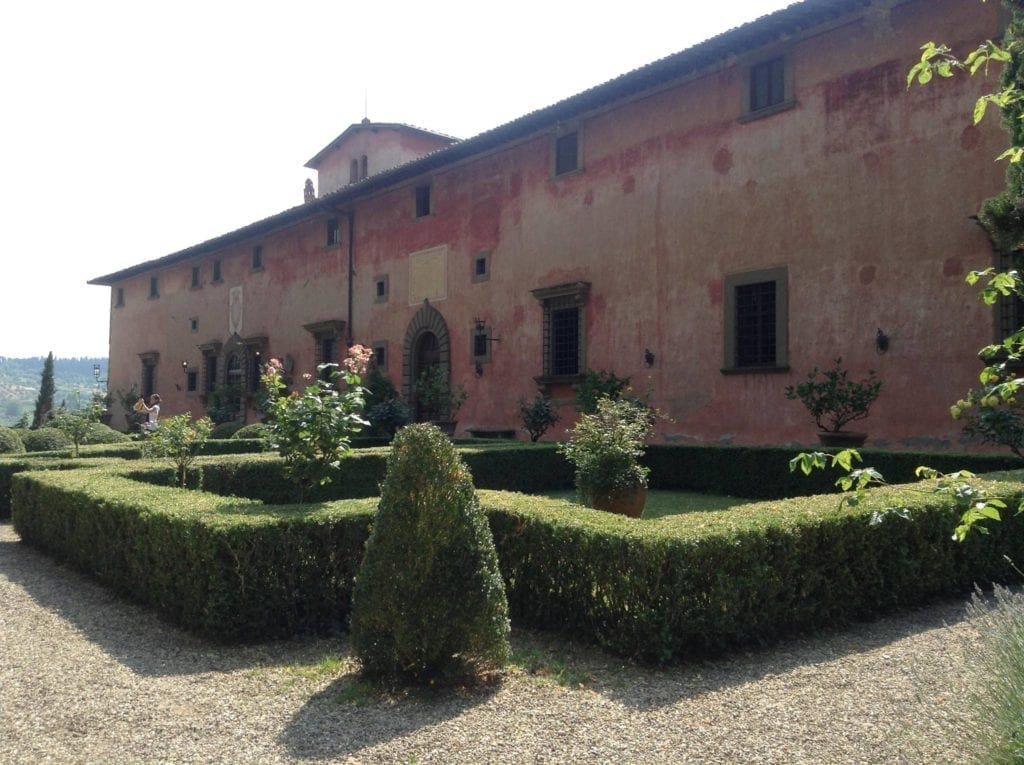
<point>975,505</point>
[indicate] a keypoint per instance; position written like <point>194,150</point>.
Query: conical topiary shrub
<point>429,602</point>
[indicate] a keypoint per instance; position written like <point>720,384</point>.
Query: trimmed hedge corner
<point>227,569</point>
<point>234,569</point>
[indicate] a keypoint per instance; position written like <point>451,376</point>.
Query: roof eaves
<point>788,21</point>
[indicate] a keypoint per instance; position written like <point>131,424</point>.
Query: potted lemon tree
<point>834,400</point>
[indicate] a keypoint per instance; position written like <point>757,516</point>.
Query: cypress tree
<point>44,404</point>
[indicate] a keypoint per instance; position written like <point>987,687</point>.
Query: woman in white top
<point>152,411</point>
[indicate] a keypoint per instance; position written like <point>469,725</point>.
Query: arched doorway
<point>426,355</point>
<point>426,346</point>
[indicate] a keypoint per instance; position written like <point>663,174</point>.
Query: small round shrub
<point>104,434</point>
<point>10,442</point>
<point>46,440</point>
<point>225,430</point>
<point>252,430</point>
<point>429,603</point>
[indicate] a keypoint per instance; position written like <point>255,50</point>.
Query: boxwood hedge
<point>235,569</point>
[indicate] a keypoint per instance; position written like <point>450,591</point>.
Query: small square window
<point>191,381</point>
<point>216,270</point>
<point>154,290</point>
<point>333,232</point>
<point>481,267</point>
<point>257,257</point>
<point>423,201</point>
<point>381,287</point>
<point>193,323</point>
<point>195,276</point>
<point>567,153</point>
<point>119,297</point>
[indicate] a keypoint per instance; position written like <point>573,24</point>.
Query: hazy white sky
<point>132,130</point>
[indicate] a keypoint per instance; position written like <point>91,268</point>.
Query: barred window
<point>564,347</point>
<point>756,321</point>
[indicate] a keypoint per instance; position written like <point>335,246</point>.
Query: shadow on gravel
<point>131,635</point>
<point>138,639</point>
<point>345,718</point>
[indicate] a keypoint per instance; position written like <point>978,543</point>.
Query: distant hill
<point>20,379</point>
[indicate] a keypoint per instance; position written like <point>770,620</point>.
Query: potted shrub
<point>436,400</point>
<point>834,400</point>
<point>605,448</point>
<point>538,415</point>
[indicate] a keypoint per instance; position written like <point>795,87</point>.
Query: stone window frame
<point>422,200</point>
<point>747,112</point>
<point>381,288</point>
<point>150,360</point>
<point>558,138</point>
<point>331,330</point>
<point>780,276</point>
<point>484,257</point>
<point>210,354</point>
<point>556,298</point>
<point>380,354</point>
<point>332,230</point>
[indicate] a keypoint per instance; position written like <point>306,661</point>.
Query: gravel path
<point>85,677</point>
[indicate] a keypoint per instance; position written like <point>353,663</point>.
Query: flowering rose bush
<point>312,429</point>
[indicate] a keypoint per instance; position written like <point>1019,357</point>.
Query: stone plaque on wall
<point>428,275</point>
<point>235,311</point>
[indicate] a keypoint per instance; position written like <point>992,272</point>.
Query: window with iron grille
<point>755,324</point>
<point>191,381</point>
<point>148,376</point>
<point>756,321</point>
<point>209,372</point>
<point>564,341</point>
<point>564,334</point>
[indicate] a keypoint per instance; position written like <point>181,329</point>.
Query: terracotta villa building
<point>713,225</point>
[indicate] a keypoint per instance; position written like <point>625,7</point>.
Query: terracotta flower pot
<point>628,501</point>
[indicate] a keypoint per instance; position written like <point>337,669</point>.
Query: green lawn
<point>661,503</point>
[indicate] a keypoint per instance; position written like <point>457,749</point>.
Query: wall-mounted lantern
<point>881,341</point>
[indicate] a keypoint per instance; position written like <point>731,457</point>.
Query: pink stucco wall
<point>863,191</point>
